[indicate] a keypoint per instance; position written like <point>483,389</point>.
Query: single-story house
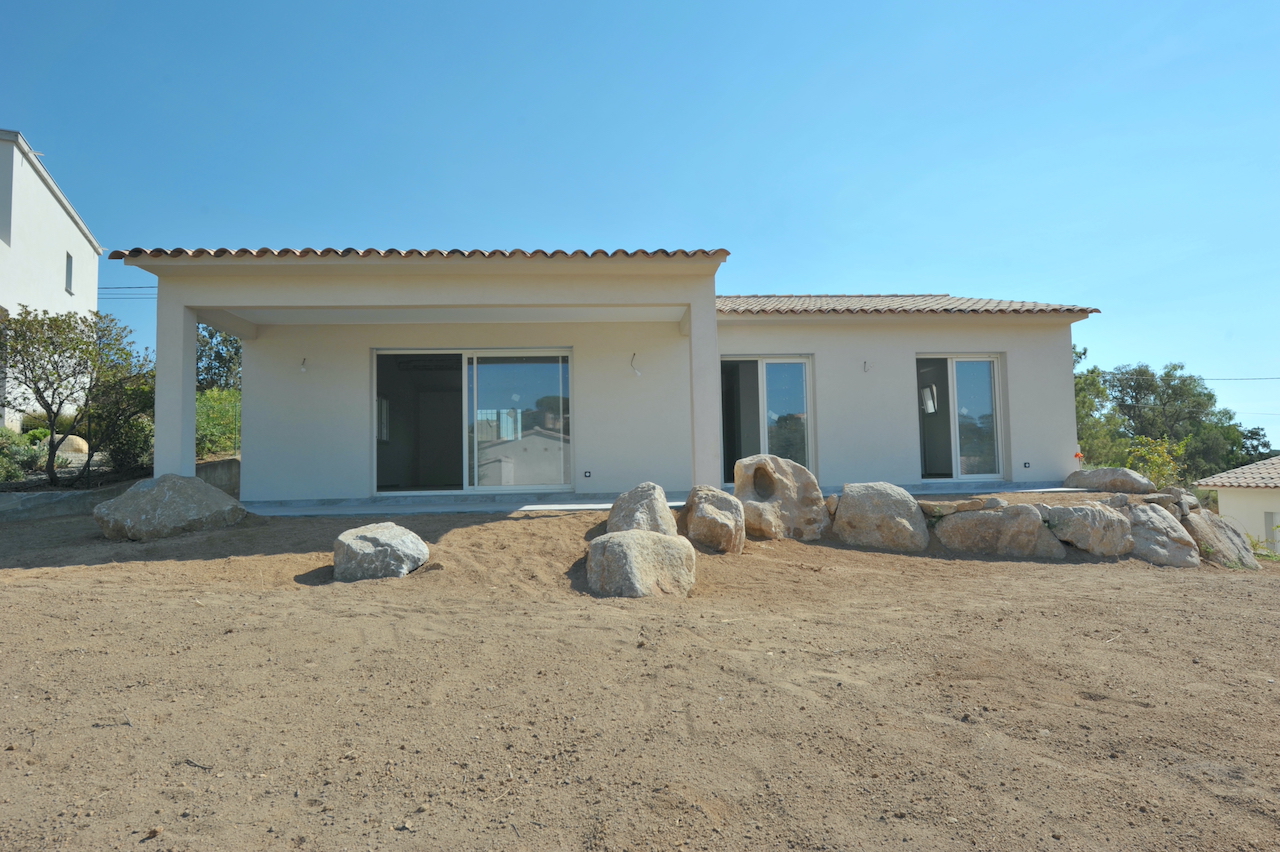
<point>1250,495</point>
<point>376,373</point>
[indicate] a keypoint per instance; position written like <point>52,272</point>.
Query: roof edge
<point>21,143</point>
<point>992,306</point>
<point>351,253</point>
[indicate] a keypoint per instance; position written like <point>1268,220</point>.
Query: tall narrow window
<point>70,264</point>
<point>765,409</point>
<point>956,399</point>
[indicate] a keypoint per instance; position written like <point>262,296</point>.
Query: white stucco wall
<point>866,420</point>
<point>36,235</point>
<point>1249,507</point>
<point>37,232</point>
<point>310,435</point>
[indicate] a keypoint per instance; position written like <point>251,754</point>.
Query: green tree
<point>1119,412</point>
<point>81,372</point>
<point>218,357</point>
<point>1099,428</point>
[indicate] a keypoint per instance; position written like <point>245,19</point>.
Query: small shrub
<point>34,420</point>
<point>28,457</point>
<point>1158,459</point>
<point>133,446</point>
<point>217,422</point>
<point>35,436</point>
<point>14,454</point>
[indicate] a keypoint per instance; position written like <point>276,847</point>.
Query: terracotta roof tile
<point>888,304</point>
<point>351,252</point>
<point>1263,474</point>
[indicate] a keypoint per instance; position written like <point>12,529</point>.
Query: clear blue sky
<point>1124,156</point>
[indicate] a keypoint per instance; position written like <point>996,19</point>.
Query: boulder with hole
<point>780,498</point>
<point>1158,538</point>
<point>377,550</point>
<point>640,563</point>
<point>166,506</point>
<point>877,514</point>
<point>642,508</point>
<point>713,519</point>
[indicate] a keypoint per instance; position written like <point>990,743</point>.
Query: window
<point>462,420</point>
<point>70,264</point>
<point>765,409</point>
<point>956,398</point>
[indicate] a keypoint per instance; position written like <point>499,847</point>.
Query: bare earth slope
<point>211,691</point>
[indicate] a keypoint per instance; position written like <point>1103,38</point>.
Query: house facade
<point>368,374</point>
<point>1250,495</point>
<point>48,256</point>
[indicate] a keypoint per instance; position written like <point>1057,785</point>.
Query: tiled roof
<point>351,252</point>
<point>903,304</point>
<point>1263,474</point>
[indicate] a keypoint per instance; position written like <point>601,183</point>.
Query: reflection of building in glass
<point>533,457</point>
<point>497,424</point>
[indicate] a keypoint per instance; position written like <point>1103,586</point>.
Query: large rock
<point>71,444</point>
<point>1095,528</point>
<point>1119,479</point>
<point>642,508</point>
<point>714,519</point>
<point>942,508</point>
<point>1006,531</point>
<point>640,563</point>
<point>1158,538</point>
<point>780,498</point>
<point>167,506</point>
<point>377,550</point>
<point>1220,540</point>
<point>877,514</point>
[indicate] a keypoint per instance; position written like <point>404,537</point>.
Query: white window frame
<point>811,446</point>
<point>997,404</point>
<point>466,355</point>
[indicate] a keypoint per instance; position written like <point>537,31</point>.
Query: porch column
<point>175,387</point>
<point>704,366</point>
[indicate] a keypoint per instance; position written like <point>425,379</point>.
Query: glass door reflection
<point>518,420</point>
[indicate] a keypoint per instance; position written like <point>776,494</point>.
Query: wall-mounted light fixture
<point>304,365</point>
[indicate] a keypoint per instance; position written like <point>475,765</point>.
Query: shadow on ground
<point>77,540</point>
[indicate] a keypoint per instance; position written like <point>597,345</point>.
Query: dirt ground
<point>215,692</point>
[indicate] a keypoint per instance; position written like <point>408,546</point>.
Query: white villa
<point>370,375</point>
<point>1250,495</point>
<point>48,256</point>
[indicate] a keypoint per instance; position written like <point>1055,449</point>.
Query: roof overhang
<point>166,262</point>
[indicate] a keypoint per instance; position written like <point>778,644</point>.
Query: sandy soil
<point>213,692</point>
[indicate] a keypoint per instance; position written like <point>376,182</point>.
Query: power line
<point>1155,377</point>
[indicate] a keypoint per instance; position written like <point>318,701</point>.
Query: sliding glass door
<point>958,417</point>
<point>471,420</point>
<point>765,409</point>
<point>519,420</point>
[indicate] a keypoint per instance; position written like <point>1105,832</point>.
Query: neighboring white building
<point>48,256</point>
<point>369,374</point>
<point>1251,496</point>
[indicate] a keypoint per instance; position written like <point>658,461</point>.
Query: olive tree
<point>75,366</point>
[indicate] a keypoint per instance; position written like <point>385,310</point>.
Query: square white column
<point>704,366</point>
<point>175,447</point>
